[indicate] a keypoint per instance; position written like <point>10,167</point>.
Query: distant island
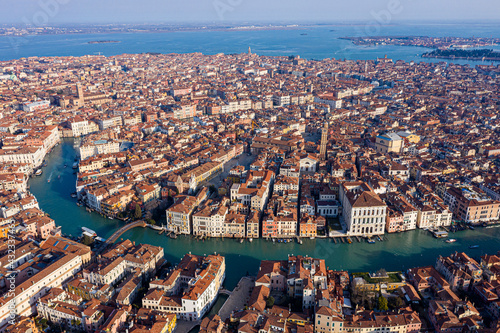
<point>476,54</point>
<point>425,41</point>
<point>103,41</point>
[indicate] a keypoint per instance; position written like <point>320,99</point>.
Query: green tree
<point>270,302</point>
<point>151,221</point>
<point>86,240</point>
<point>138,212</point>
<point>382,304</point>
<point>395,302</point>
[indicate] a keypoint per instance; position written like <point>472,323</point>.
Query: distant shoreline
<point>171,30</point>
<point>103,41</point>
<point>473,55</point>
<point>461,58</point>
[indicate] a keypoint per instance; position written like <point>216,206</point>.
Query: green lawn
<point>392,277</point>
<point>333,223</point>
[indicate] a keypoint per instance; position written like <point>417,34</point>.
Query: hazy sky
<point>225,11</point>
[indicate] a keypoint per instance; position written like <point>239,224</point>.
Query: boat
<point>90,231</point>
<point>349,240</point>
<point>371,241</point>
<point>473,246</point>
<point>250,240</point>
<point>73,195</point>
<point>451,240</point>
<point>440,234</point>
<point>75,165</point>
<point>155,227</point>
<point>65,165</point>
<point>471,227</point>
<point>88,234</point>
<point>241,240</point>
<point>38,172</point>
<point>111,217</point>
<point>59,177</point>
<point>48,180</point>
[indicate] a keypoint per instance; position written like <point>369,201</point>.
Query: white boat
<point>451,240</point>
<point>38,172</point>
<point>250,240</point>
<point>155,227</point>
<point>90,231</point>
<point>88,234</point>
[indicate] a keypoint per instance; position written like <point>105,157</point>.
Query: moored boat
<point>90,231</point>
<point>451,240</point>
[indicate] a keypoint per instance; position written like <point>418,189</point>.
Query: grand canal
<point>398,252</point>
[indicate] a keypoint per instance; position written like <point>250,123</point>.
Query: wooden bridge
<point>114,237</point>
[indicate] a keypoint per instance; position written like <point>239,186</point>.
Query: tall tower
<point>79,90</point>
<point>324,141</point>
<point>249,51</point>
<point>79,94</point>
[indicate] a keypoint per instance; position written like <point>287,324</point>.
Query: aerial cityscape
<point>222,170</point>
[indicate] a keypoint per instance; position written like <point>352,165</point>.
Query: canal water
<point>399,252</point>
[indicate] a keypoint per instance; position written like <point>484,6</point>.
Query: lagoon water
<point>312,43</point>
<point>399,252</point>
